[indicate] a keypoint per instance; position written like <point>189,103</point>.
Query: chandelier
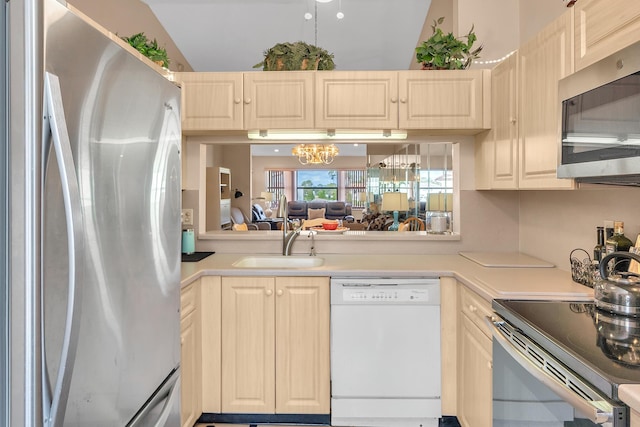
<point>315,154</point>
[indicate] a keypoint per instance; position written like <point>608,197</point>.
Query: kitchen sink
<point>278,262</point>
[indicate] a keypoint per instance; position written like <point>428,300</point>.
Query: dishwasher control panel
<point>385,290</point>
<point>376,294</point>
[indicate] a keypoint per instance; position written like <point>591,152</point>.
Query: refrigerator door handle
<point>55,128</point>
<point>167,392</point>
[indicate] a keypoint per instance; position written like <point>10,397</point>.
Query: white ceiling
<point>232,35</point>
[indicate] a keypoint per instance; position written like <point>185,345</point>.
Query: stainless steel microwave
<point>601,121</point>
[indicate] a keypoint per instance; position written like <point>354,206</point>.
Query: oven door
<point>531,388</point>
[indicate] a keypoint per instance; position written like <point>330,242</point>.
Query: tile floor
<point>444,422</point>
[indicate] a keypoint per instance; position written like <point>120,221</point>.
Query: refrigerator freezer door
<point>123,120</point>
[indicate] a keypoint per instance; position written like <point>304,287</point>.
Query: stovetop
<point>601,347</point>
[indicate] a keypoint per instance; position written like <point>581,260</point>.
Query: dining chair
<point>413,224</point>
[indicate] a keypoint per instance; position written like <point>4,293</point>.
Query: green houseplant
<point>296,56</point>
<point>148,48</point>
<point>446,52</point>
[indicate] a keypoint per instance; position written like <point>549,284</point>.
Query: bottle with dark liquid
<point>619,243</point>
<point>599,250</point>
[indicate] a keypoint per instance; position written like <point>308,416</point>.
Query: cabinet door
<point>211,101</point>
<point>505,124</point>
<point>357,100</point>
<point>302,353</point>
<point>496,151</point>
<point>603,27</point>
<point>278,100</point>
<point>444,99</point>
<point>190,380</point>
<point>211,339</point>
<point>474,376</point>
<point>248,340</point>
<point>543,62</point>
<point>190,366</point>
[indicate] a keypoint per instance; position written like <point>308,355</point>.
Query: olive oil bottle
<point>619,243</point>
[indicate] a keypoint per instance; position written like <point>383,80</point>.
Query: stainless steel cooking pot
<point>618,292</point>
<point>618,337</point>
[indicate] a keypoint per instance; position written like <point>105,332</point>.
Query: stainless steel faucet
<point>287,237</point>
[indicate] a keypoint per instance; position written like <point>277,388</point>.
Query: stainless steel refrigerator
<point>110,226</point>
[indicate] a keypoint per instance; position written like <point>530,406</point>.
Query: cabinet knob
<point>181,340</point>
<point>237,100</point>
<point>247,100</point>
<point>473,308</point>
<point>513,120</point>
<point>394,99</point>
<point>489,365</point>
<point>403,100</point>
<point>269,292</point>
<point>280,292</point>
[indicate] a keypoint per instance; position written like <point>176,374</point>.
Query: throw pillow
<point>315,213</point>
<point>240,227</point>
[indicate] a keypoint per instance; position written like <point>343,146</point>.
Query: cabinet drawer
<point>476,309</point>
<point>187,300</point>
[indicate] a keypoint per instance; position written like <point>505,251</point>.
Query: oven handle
<point>599,412</point>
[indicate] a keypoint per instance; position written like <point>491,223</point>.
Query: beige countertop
<point>630,394</point>
<point>490,283</point>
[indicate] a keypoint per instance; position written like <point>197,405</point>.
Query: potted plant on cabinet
<point>296,56</point>
<point>445,51</point>
<point>148,48</point>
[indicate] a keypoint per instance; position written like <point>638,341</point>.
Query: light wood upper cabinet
<point>603,27</point>
<point>457,99</point>
<point>543,61</point>
<point>447,101</point>
<point>278,100</point>
<point>504,113</point>
<point>211,101</point>
<point>275,345</point>
<point>356,100</point>
<point>497,150</point>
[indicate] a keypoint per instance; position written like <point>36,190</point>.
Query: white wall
<point>495,22</point>
<point>128,17</point>
<point>535,15</point>
<point>552,223</point>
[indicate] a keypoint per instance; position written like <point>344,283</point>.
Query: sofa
<point>332,210</point>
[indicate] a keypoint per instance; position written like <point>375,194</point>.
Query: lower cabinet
<point>635,418</point>
<point>191,406</point>
<point>474,361</point>
<point>275,345</point>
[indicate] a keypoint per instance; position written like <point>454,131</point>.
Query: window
<point>275,183</point>
<point>313,184</point>
<point>436,188</point>
<point>347,185</point>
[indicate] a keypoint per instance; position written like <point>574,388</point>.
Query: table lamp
<point>395,201</point>
<point>268,198</point>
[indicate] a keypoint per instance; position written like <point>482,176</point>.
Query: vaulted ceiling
<point>232,35</point>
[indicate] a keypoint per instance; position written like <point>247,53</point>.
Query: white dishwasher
<point>385,352</point>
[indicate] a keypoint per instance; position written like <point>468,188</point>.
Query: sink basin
<point>278,262</point>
